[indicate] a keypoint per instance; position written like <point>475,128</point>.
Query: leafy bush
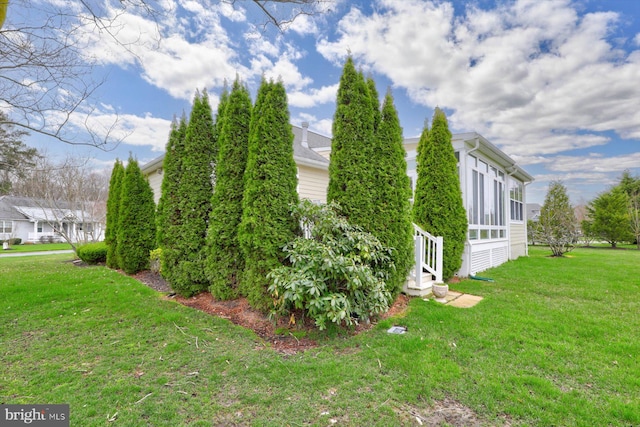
<point>336,275</point>
<point>93,253</point>
<point>15,241</point>
<point>155,260</point>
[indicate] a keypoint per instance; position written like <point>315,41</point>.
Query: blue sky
<point>554,84</point>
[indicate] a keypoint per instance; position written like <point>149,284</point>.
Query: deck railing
<point>428,255</point>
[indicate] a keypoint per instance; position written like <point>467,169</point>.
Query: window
<point>6,226</point>
<point>39,227</point>
<point>516,196</point>
<point>486,201</point>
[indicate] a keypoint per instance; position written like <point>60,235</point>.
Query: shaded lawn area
<point>554,342</point>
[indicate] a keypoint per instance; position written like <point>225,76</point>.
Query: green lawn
<point>37,248</point>
<point>554,342</point>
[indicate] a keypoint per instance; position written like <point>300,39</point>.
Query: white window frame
<point>516,201</point>
<point>486,201</point>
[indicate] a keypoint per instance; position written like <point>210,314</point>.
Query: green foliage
<point>184,256</point>
<point>558,226</point>
<point>391,222</point>
<point>375,103</point>
<point>367,172</point>
<point>270,191</point>
<point>351,172</point>
<point>437,205</point>
<point>337,275</point>
<point>92,253</point>
<point>168,212</point>
<point>610,216</point>
<point>155,260</point>
<point>113,209</point>
<point>136,220</point>
<point>225,259</point>
<point>631,186</point>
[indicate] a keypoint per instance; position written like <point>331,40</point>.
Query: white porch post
<point>419,251</point>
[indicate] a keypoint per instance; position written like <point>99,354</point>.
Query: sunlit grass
<point>554,342</point>
<point>37,247</point>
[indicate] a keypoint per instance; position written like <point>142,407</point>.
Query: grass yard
<point>554,342</point>
<point>39,247</point>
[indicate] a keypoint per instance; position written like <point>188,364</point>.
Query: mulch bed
<point>240,312</point>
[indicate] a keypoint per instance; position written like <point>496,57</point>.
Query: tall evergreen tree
<point>167,215</point>
<point>187,253</point>
<point>557,225</point>
<point>225,261</point>
<point>136,222</point>
<point>270,191</point>
<point>350,169</point>
<point>375,103</point>
<point>437,205</point>
<point>113,209</point>
<point>392,192</point>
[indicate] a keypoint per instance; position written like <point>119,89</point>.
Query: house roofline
<point>311,163</point>
<point>153,164</point>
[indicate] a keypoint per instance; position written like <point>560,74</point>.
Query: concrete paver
<point>458,299</point>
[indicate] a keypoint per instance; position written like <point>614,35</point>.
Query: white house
<point>37,221</point>
<point>493,190</point>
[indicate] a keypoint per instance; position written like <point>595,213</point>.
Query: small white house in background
<point>36,221</point>
<point>493,191</point>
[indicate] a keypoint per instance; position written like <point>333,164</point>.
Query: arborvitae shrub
<point>113,209</point>
<point>136,220</point>
<point>437,205</point>
<point>269,193</point>
<point>391,222</point>
<point>225,259</point>
<point>186,252</point>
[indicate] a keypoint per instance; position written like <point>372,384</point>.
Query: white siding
<point>312,183</point>
<point>518,235</point>
<point>484,256</point>
<point>155,181</point>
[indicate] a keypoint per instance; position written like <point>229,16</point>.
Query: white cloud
<point>303,25</point>
<point>176,54</point>
<point>321,126</point>
<point>534,77</point>
<point>130,129</point>
<point>312,97</point>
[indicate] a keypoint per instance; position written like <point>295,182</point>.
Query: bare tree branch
<point>47,80</point>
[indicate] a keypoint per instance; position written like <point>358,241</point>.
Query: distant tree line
<point>613,217</point>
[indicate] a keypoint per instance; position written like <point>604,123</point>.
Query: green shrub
<point>93,253</point>
<point>15,241</point>
<point>155,260</point>
<point>337,275</point>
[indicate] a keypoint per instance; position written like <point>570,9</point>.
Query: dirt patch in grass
<point>285,338</point>
<point>446,412</point>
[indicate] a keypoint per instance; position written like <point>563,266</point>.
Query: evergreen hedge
<point>437,205</point>
<point>225,259</point>
<point>391,222</point>
<point>136,220</point>
<point>168,213</point>
<point>187,253</point>
<point>269,193</point>
<point>350,169</point>
<point>113,209</point>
